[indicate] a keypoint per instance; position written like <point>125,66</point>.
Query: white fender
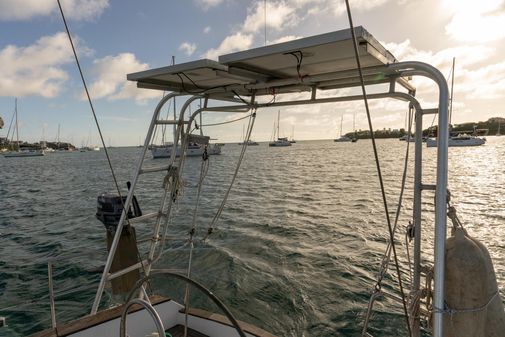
<point>470,290</point>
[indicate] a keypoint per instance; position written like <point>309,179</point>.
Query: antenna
<point>265,15</point>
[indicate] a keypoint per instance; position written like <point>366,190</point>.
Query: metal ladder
<point>168,197</point>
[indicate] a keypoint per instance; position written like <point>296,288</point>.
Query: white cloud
<point>206,30</point>
<point>36,69</point>
<point>232,43</point>
<point>111,80</point>
<point>188,48</point>
<point>476,21</point>
<point>470,75</point>
<point>11,10</point>
<point>206,4</point>
<point>279,16</point>
<point>484,83</point>
<point>339,8</point>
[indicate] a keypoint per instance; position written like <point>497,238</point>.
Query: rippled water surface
<point>297,248</point>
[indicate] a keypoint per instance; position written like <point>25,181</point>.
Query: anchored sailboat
<point>18,152</point>
<point>342,138</point>
<point>281,141</point>
<point>461,139</point>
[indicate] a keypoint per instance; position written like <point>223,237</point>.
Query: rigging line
<point>387,254</point>
<point>250,126</point>
<point>95,118</point>
<point>227,122</point>
<point>379,173</point>
<point>203,172</point>
<point>89,100</point>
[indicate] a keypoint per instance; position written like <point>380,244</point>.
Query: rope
<point>228,122</point>
<point>89,100</point>
<point>452,311</point>
<point>250,126</point>
<point>451,213</point>
<point>96,121</point>
<point>379,173</point>
<point>203,172</point>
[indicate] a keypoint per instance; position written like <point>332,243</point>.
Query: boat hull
<point>192,151</point>
<point>455,142</point>
<point>24,154</point>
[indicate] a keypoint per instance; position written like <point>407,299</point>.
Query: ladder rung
<point>430,111</point>
<point>428,187</point>
<point>144,217</point>
<point>154,169</point>
<point>176,271</point>
<point>169,122</point>
<point>126,270</point>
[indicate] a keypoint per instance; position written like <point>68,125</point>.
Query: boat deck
<point>178,331</point>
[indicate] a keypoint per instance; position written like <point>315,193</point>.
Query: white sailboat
<point>498,132</point>
<point>21,152</point>
<point>250,142</point>
<point>281,141</point>
<point>462,139</point>
<point>342,138</point>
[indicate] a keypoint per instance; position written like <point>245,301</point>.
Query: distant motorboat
<point>342,139</point>
<point>459,140</point>
<point>89,148</point>
<point>249,143</point>
<point>412,138</point>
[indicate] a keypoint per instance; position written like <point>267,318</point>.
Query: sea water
<point>296,250</point>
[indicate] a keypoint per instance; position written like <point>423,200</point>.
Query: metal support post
<point>51,293</point>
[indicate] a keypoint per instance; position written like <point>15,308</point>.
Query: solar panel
<point>324,61</point>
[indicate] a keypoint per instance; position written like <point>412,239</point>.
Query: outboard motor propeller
<point>109,210</point>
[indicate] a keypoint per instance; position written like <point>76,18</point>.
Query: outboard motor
<point>110,207</point>
<point>109,210</point>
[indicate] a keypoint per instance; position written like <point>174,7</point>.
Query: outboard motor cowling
<point>109,209</point>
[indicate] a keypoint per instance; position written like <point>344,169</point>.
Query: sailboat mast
<point>341,121</point>
<point>58,138</point>
<point>278,122</point>
<point>175,130</point>
<point>201,122</point>
<point>17,126</point>
<point>452,91</point>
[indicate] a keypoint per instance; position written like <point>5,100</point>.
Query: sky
<point>116,37</point>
